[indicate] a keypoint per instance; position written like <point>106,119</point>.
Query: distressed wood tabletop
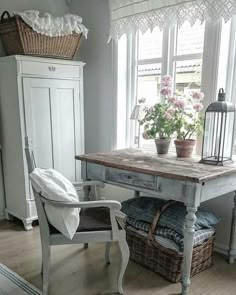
<point>166,165</point>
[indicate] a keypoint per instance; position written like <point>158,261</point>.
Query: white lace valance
<point>128,16</point>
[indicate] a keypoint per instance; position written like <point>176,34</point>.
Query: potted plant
<point>158,120</point>
<point>159,125</point>
<point>188,121</point>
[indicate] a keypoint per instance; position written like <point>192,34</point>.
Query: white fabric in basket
<point>55,187</point>
<point>53,26</point>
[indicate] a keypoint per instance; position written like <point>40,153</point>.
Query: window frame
<point>209,80</point>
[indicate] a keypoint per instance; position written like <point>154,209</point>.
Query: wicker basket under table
<point>166,262</point>
<point>19,38</point>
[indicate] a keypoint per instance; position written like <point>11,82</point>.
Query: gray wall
<point>56,7</point>
<point>98,82</point>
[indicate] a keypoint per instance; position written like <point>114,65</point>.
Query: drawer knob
<point>128,177</point>
<point>52,68</point>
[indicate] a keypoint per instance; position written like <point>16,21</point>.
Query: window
<point>190,54</point>
<point>186,56</point>
<point>180,56</point>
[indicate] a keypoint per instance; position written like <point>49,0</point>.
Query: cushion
<point>91,219</point>
<point>145,208</point>
<point>142,208</point>
<point>54,186</point>
<point>199,236</point>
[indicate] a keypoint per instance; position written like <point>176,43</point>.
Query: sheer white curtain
<point>231,69</point>
<point>129,16</point>
<point>231,66</point>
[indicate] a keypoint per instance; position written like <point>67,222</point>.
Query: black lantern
<point>218,135</point>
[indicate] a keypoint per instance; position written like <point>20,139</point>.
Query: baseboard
<point>222,249</point>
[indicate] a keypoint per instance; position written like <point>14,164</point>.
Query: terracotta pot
<point>184,148</point>
<point>162,145</point>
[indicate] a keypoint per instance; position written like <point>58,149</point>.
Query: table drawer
<point>130,178</point>
<point>171,188</point>
<point>50,69</point>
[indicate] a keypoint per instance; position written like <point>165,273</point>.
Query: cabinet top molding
<point>167,165</point>
<point>42,60</point>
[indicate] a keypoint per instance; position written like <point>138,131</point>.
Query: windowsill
<point>171,153</point>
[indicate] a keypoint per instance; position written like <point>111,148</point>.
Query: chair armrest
<point>112,205</point>
<point>89,183</point>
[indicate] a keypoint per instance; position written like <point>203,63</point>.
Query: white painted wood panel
<point>50,69</point>
<point>66,115</point>
<point>94,171</point>
<point>38,109</point>
<point>52,115</point>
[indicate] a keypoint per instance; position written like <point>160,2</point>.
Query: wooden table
<point>166,177</point>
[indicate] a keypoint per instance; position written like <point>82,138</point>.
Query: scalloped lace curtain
<point>128,16</point>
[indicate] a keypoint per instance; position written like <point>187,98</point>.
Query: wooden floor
<point>76,271</point>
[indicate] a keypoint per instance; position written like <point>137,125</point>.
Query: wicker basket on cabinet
<point>19,38</point>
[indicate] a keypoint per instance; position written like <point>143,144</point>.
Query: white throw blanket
<point>53,26</point>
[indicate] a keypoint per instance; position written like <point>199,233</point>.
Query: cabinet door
<point>67,126</point>
<point>53,117</point>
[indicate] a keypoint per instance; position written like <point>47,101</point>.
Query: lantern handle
<point>221,95</point>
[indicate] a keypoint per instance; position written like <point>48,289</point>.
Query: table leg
<point>136,194</point>
<point>232,245</point>
<point>86,190</point>
<point>190,220</point>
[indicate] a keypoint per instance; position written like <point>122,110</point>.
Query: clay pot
<point>162,145</point>
<point>184,148</point>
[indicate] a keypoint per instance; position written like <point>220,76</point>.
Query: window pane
<point>150,44</point>
<point>149,78</point>
<point>188,75</point>
<point>190,39</point>
<point>149,83</point>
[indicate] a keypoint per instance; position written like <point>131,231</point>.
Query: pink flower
<point>180,104</point>
<point>198,106</point>
<point>166,91</point>
<point>166,80</point>
<point>145,135</point>
<point>171,99</point>
<point>142,100</point>
<point>171,112</point>
<point>168,116</point>
<point>198,95</point>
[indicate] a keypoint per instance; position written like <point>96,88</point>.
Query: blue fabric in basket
<point>145,208</point>
<point>199,236</point>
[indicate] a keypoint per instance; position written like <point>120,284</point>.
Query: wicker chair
<point>97,224</point>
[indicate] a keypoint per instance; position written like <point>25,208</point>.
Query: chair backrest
<point>31,163</point>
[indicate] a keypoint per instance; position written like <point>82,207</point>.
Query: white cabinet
<point>42,99</point>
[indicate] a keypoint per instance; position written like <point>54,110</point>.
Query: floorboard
<point>77,271</point>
